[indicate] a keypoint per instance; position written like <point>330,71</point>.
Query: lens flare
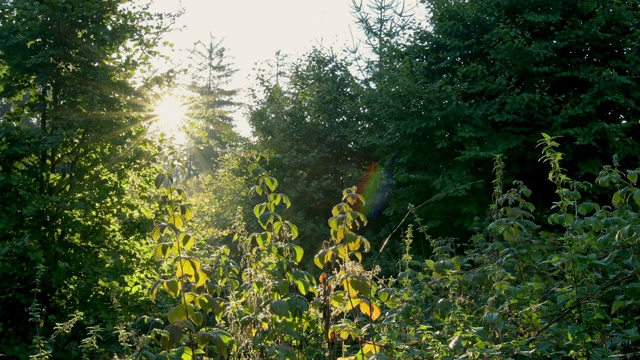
<point>375,186</point>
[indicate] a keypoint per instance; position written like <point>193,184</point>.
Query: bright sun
<point>171,113</point>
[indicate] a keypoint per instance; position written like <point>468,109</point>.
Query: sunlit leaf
<point>370,349</point>
<point>186,211</point>
<point>259,209</point>
<point>177,313</point>
<point>176,220</point>
<point>154,290</point>
<point>271,182</point>
<point>275,198</point>
<point>370,309</point>
<point>293,229</point>
<point>319,259</point>
<point>172,286</point>
<point>162,250</point>
<point>186,241</point>
<point>336,298</point>
<point>286,201</point>
<point>355,284</point>
<point>159,230</point>
<point>385,294</point>
<point>353,303</point>
<point>298,252</point>
<point>182,194</point>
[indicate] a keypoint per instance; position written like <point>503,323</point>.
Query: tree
<point>210,105</point>
<point>487,78</point>
<point>307,124</point>
<point>74,159</point>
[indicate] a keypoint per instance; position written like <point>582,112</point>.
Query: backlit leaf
<point>186,241</point>
<point>172,286</point>
<point>370,309</point>
<point>177,314</point>
<point>298,252</point>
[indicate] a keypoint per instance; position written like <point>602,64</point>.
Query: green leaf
<point>298,305</point>
<point>298,253</point>
<point>636,197</point>
<point>286,329</point>
<point>160,180</point>
<point>217,305</point>
<point>205,302</point>
<point>177,314</point>
<point>197,318</point>
<point>617,199</point>
<point>271,182</point>
<point>279,307</point>
<point>172,286</point>
<point>186,241</point>
<point>176,220</point>
<point>319,259</point>
<point>385,294</point>
<point>632,175</point>
<point>303,286</point>
<point>617,305</point>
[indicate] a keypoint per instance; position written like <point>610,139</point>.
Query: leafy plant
<point>196,283</point>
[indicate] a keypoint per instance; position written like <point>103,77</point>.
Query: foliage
<point>483,78</point>
<point>438,96</point>
<point>196,283</point>
<point>74,160</point>
<point>306,124</point>
<point>210,103</point>
<point>522,291</point>
<point>348,313</point>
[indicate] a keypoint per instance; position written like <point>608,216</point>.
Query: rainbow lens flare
<point>375,186</point>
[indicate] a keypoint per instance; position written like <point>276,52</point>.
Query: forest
<point>463,184</point>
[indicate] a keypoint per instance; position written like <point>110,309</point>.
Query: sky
<point>253,30</point>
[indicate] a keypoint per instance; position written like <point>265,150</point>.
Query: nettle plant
<point>197,283</point>
<point>569,289</point>
<point>347,300</point>
<point>271,308</point>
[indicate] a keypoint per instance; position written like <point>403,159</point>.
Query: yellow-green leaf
<point>177,314</point>
<point>298,253</point>
<point>176,220</point>
<point>186,241</point>
<point>172,286</point>
<point>319,259</point>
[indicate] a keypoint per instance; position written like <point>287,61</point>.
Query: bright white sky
<point>253,30</point>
